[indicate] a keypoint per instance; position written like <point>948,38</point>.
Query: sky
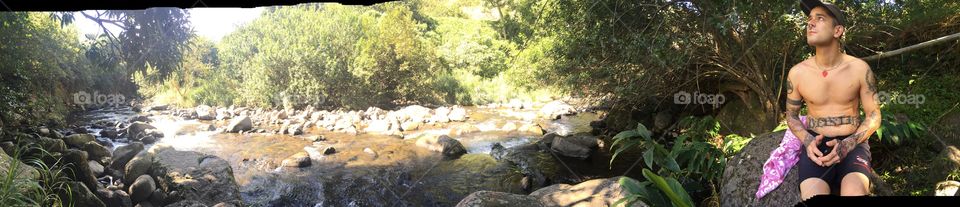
<point>212,23</point>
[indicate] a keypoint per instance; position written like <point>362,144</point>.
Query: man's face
<point>821,28</point>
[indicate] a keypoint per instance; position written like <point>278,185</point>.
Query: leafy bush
<point>50,189</point>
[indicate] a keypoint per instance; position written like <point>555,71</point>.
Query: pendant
<point>824,73</point>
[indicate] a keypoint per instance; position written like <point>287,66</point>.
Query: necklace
<point>824,72</point>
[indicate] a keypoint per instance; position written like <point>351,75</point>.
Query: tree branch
<point>940,40</point>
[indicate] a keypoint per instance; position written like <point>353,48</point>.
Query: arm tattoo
<point>795,102</point>
<point>847,144</point>
<point>789,87</point>
<point>816,122</point>
<point>871,82</point>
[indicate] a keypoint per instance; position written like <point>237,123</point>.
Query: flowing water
<point>396,173</point>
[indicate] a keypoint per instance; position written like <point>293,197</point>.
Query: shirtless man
<point>831,83</point>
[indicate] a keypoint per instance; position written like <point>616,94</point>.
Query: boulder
<point>300,159</point>
<point>741,177</point>
<point>410,126</point>
<point>78,140</point>
<point>194,176</point>
<point>377,127</point>
<point>576,146</point>
<point>109,133</point>
<point>187,203</point>
<point>95,151</point>
<point>114,198</point>
<point>449,147</point>
<point>79,167</point>
<point>329,150</point>
<point>205,112</point>
<point>414,113</point>
<point>51,144</point>
<point>95,168</point>
<point>142,188</point>
<point>137,130</point>
<point>509,126</point>
<point>555,109</point>
<point>458,114</point>
<point>139,165</point>
<point>123,154</point>
<point>23,170</point>
<point>596,192</point>
<point>496,199</point>
<point>82,196</point>
<point>441,115</point>
<point>240,123</point>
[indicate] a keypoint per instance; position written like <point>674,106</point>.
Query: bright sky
<point>212,23</point>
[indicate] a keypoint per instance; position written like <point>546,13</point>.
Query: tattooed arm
<point>870,124</point>
<point>794,103</point>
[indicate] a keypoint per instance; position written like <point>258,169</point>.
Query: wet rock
<point>159,107</point>
<point>158,197</point>
<point>240,123</point>
<point>449,147</point>
<point>109,133</point>
<point>462,129</point>
<point>377,127</point>
<point>95,151</point>
<point>187,203</point>
<point>137,166</point>
<point>576,146</point>
<point>142,188</point>
<point>123,154</point>
<point>205,112</point>
<point>51,145</point>
<point>82,196</point>
<point>78,140</point>
<point>80,170</point>
<point>555,109</point>
<point>300,159</point>
<point>137,130</point>
<point>525,157</point>
<point>741,177</point>
<point>410,126</point>
<point>947,188</point>
<point>329,150</point>
<point>194,176</point>
<point>95,168</point>
<point>140,118</point>
<point>596,192</point>
<point>495,199</point>
<point>295,129</point>
<point>458,114</point>
<point>114,198</point>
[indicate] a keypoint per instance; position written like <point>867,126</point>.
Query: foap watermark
<point>885,98</point>
<point>684,97</point>
<point>84,98</point>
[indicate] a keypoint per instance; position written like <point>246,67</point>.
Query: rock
<point>528,159</point>
<point>329,150</point>
<point>509,126</point>
<point>189,175</point>
<point>82,196</point>
<point>555,109</point>
<point>414,113</point>
<point>79,167</point>
<point>140,118</point>
<point>449,147</point>
<point>458,114</point>
<point>300,159</point>
<point>51,145</point>
<point>576,146</point>
<point>109,133</point>
<point>596,192</point>
<point>440,115</point>
<point>137,166</point>
<point>531,128</point>
<point>23,171</point>
<point>222,114</point>
<point>158,197</point>
<point>377,127</point>
<point>144,204</point>
<point>205,112</point>
<point>95,151</point>
<point>295,129</point>
<point>78,140</point>
<point>158,107</point>
<point>947,188</point>
<point>410,126</point>
<point>495,199</point>
<point>95,168</point>
<point>114,198</point>
<point>741,177</point>
<point>370,151</point>
<point>123,154</point>
<point>142,188</point>
<point>137,130</point>
<point>187,203</point>
<point>240,123</point>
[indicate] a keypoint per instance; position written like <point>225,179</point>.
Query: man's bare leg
<point>854,184</point>
<point>813,186</point>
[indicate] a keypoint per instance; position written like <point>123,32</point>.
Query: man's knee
<point>813,186</point>
<point>855,184</point>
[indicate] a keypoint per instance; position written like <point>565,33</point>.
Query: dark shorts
<point>857,161</point>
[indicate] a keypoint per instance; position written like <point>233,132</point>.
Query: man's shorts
<point>858,160</point>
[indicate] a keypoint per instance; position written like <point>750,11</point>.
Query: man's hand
<point>812,151</point>
<point>840,149</point>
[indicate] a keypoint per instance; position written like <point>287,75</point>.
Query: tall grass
<point>49,188</point>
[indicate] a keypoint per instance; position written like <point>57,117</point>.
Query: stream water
<point>373,170</point>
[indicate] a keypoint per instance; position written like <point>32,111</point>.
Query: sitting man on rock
<point>835,153</point>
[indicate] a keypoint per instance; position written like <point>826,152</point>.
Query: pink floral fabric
<point>781,160</point>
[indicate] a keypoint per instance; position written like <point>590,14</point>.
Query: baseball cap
<point>832,10</point>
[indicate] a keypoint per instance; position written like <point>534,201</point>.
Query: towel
<point>781,160</point>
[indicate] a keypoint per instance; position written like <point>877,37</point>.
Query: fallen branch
<point>940,40</point>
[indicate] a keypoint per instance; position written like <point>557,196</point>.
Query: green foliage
<point>50,188</point>
<point>652,191</point>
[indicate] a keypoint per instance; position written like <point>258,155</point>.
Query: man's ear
<point>838,31</point>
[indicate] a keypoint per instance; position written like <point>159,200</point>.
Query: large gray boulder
<point>77,140</point>
<point>496,199</point>
<point>188,175</point>
<point>576,146</point>
<point>240,123</point>
<point>555,109</point>
<point>596,192</point>
<point>123,154</point>
<point>449,147</point>
<point>81,196</point>
<point>741,177</point>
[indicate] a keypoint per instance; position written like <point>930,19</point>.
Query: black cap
<point>833,10</point>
